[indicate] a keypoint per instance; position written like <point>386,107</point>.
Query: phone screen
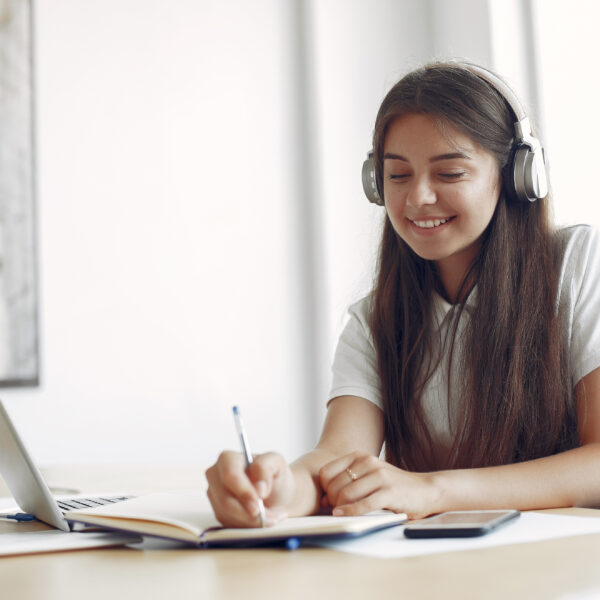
<point>462,518</point>
<point>460,523</point>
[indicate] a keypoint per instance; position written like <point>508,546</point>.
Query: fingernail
<point>338,512</point>
<point>261,488</point>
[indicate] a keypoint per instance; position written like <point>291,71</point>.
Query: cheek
<point>491,201</point>
<point>394,206</point>
<point>479,205</point>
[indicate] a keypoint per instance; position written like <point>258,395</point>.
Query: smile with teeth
<point>430,223</point>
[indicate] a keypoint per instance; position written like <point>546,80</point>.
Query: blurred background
<point>201,223</point>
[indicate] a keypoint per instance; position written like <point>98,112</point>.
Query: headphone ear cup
<point>528,180</point>
<point>369,181</point>
<point>522,161</point>
<point>530,176</point>
<point>508,177</point>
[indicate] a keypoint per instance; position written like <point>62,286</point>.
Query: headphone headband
<point>499,85</point>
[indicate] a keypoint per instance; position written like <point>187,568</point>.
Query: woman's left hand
<point>356,484</point>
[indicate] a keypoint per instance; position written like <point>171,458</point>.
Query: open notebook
<point>176,517</point>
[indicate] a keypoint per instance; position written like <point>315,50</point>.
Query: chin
<point>429,253</point>
<point>431,256</point>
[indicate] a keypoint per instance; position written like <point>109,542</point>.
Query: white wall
<point>358,54</point>
<point>172,143</point>
<point>568,58</point>
<point>360,49</point>
<point>164,221</point>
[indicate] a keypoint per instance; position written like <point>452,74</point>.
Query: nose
<point>421,193</point>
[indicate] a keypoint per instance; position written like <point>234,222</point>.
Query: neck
<point>456,278</point>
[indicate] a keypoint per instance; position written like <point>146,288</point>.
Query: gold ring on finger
<point>353,476</point>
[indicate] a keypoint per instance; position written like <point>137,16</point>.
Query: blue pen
<point>293,543</point>
<point>18,517</point>
<point>237,417</point>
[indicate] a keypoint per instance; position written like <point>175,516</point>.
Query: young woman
<point>475,359</point>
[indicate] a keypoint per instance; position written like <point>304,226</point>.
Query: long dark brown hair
<point>516,396</point>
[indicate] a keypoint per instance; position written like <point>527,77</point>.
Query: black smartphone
<point>460,523</point>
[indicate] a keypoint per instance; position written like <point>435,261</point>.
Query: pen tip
<point>236,410</point>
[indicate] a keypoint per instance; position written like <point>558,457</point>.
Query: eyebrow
<point>447,156</point>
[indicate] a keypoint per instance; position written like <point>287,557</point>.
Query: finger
<point>366,474</point>
<point>231,474</point>
<point>346,487</point>
<point>344,478</point>
<point>334,475</point>
<point>228,509</point>
<point>231,510</point>
<point>264,470</point>
<point>332,469</point>
<point>227,516</point>
<point>336,486</point>
<point>231,513</point>
<point>376,501</point>
<point>358,489</point>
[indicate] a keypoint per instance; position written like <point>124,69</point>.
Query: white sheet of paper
<point>54,540</point>
<point>529,527</point>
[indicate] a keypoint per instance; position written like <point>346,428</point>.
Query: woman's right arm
<point>352,424</point>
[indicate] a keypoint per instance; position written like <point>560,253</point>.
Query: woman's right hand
<point>234,491</point>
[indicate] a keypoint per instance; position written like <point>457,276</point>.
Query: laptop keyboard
<point>75,503</point>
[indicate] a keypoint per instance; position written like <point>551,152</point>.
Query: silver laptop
<point>27,485</point>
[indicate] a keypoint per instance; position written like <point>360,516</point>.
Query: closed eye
<point>398,177</point>
<point>452,176</point>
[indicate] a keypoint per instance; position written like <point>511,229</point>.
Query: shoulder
<point>355,362</point>
<point>362,308</point>
<point>359,316</point>
<point>356,329</point>
<point>576,233</point>
<point>580,251</point>
<point>579,297</point>
<point>577,238</point>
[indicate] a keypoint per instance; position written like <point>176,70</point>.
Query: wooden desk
<point>550,569</point>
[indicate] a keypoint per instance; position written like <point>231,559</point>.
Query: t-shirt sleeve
<point>582,263</point>
<point>354,371</point>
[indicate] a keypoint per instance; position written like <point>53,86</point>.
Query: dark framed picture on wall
<point>19,327</point>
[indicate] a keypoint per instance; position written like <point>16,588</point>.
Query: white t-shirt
<point>355,362</point>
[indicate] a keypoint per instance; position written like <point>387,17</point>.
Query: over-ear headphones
<point>525,175</point>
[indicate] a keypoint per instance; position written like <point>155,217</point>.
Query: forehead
<point>421,132</point>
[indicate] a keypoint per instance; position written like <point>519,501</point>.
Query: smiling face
<point>440,190</point>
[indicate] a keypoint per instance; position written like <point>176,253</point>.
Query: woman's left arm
<point>571,478</point>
